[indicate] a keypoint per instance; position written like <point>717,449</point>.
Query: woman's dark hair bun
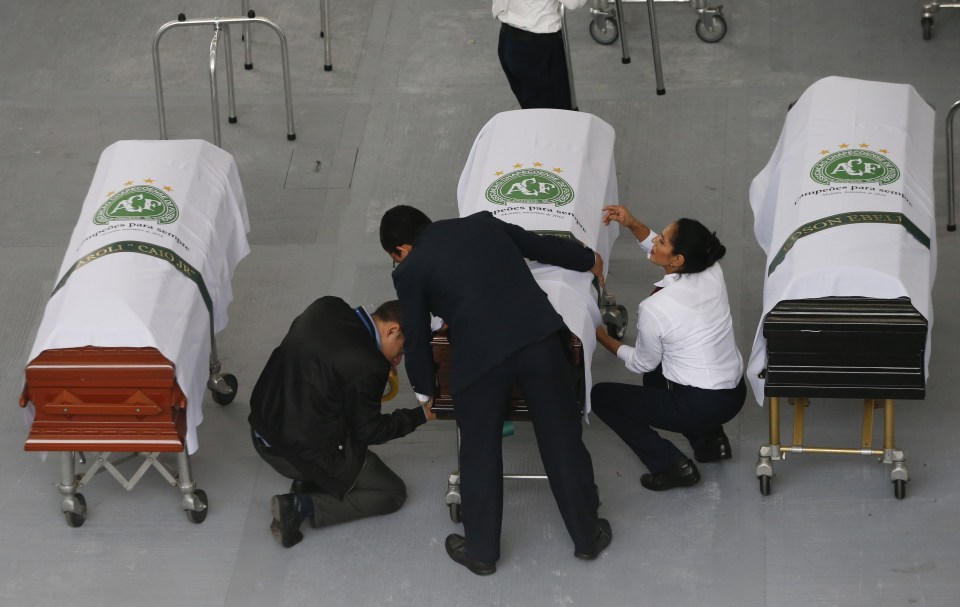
<point>699,246</point>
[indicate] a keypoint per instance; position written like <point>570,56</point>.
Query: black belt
<point>519,34</point>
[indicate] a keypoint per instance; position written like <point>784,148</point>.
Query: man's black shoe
<point>457,551</point>
<point>717,449</point>
<point>286,520</point>
<point>603,540</point>
<point>682,474</point>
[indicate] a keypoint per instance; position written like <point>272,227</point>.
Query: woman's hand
<point>604,339</point>
<point>621,215</point>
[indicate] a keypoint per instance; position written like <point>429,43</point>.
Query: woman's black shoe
<point>717,449</point>
<point>456,548</point>
<point>682,474</point>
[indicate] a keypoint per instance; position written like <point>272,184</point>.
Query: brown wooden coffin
<point>443,400</point>
<point>104,399</point>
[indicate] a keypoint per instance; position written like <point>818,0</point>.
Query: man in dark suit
<point>316,408</point>
<point>503,331</point>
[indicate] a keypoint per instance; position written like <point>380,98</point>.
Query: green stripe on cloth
<point>846,219</point>
<point>151,250</point>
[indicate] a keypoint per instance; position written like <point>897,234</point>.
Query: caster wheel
<point>900,489</point>
<point>617,330</point>
<point>927,24</point>
<point>75,519</point>
<point>764,485</point>
<point>716,34</point>
<point>198,516</point>
<point>226,399</point>
<point>455,513</point>
<point>607,35</point>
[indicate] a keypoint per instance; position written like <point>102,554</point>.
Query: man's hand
<point>428,410</point>
<point>597,269</point>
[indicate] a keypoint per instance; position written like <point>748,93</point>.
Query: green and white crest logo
<point>535,186</point>
<point>138,202</point>
<point>855,166</point>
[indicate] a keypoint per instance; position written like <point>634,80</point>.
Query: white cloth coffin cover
<point>549,171</point>
<point>845,205</point>
<point>169,208</point>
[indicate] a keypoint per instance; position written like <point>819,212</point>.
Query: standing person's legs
<point>480,410</point>
<point>546,380</point>
<point>377,490</point>
<point>536,68</point>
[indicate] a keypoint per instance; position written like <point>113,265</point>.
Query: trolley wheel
<point>198,516</point>
<point>719,29</point>
<point>455,514</point>
<point>900,489</point>
<point>764,485</point>
<point>927,24</point>
<point>226,399</point>
<point>605,36</point>
<point>75,519</point>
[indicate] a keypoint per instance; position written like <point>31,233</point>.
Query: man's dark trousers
<point>377,490</point>
<point>542,370</point>
<point>536,68</point>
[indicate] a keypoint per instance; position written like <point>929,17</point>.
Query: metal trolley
<point>615,320</point>
<point>842,347</point>
<point>607,21</point>
<point>117,404</point>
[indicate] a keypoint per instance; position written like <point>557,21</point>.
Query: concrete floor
<point>412,83</point>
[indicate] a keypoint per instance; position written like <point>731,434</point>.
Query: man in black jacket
<point>316,408</point>
<point>503,331</point>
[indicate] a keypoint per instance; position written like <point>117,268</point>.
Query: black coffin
<point>845,347</point>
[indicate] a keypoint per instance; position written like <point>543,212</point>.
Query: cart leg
<point>899,475</point>
<point>73,505</point>
<point>771,451</point>
<point>194,501</point>
<point>452,499</point>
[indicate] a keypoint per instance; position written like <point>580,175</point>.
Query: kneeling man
<point>316,408</point>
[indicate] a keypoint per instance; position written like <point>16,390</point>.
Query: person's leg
<point>480,410</point>
<point>377,490</point>
<point>536,68</point>
<point>631,411</point>
<point>546,380</point>
<point>505,52</point>
<point>710,443</point>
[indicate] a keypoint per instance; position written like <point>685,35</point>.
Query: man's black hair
<point>401,225</point>
<point>389,311</point>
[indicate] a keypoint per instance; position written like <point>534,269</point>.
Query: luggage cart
<point>845,216</point>
<point>607,21</point>
<point>126,347</point>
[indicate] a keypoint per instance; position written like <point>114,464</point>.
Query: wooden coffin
<point>845,347</point>
<point>517,409</point>
<point>104,399</point>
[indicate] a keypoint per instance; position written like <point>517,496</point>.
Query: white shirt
<point>537,16</point>
<point>687,326</point>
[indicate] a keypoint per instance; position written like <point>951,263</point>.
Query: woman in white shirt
<point>685,349</point>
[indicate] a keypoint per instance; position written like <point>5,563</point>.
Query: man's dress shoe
<point>286,520</point>
<point>717,449</point>
<point>684,473</point>
<point>603,540</point>
<point>456,548</point>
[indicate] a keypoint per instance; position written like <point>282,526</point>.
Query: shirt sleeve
<point>647,353</point>
<point>647,243</point>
